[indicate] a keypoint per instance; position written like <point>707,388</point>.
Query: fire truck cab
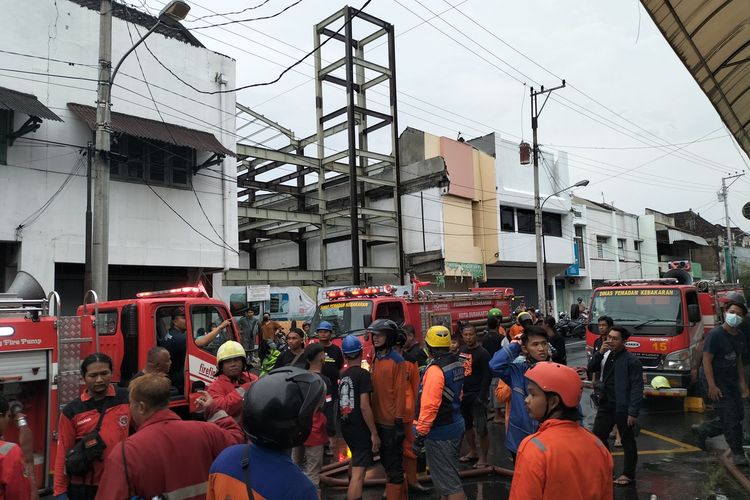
<point>41,352</point>
<point>667,321</point>
<point>351,310</point>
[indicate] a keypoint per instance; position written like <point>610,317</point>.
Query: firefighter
<point>14,477</point>
<point>145,464</point>
<point>175,341</point>
<point>233,380</point>
<point>278,414</point>
<point>389,398</point>
<point>411,390</point>
<point>550,462</point>
<point>439,424</point>
<point>101,414</point>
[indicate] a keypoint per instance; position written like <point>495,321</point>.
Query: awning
<point>25,103</point>
<point>676,235</point>
<point>712,38</point>
<point>154,130</point>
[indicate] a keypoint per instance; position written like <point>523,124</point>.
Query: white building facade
<point>609,244</point>
<point>173,208</point>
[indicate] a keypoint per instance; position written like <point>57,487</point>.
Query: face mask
<point>733,320</point>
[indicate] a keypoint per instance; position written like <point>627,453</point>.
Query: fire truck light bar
<point>186,291</point>
<point>6,331</point>
<point>370,291</point>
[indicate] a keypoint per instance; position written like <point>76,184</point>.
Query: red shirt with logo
<point>13,480</point>
<point>78,418</point>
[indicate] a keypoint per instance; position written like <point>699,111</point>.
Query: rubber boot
<point>394,491</point>
<point>410,475</point>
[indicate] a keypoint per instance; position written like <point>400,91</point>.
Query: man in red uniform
<point>233,381</point>
<point>14,482</point>
<point>146,464</point>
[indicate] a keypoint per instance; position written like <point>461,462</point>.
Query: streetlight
<point>97,230</point>
<point>582,183</point>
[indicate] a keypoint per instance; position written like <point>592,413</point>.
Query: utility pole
<point>87,275</point>
<point>730,241</point>
<point>100,229</point>
<point>535,112</point>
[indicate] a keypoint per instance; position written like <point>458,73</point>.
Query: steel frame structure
<point>276,205</point>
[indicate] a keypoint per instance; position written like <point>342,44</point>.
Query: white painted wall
<point>143,231</point>
<point>515,187</point>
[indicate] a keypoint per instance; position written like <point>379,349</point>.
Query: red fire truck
<point>667,319</point>
<point>41,351</point>
<point>351,310</point>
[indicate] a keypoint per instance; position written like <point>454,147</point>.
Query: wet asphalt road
<point>669,466</point>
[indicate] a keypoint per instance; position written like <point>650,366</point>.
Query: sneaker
<point>739,459</point>
<point>700,436</point>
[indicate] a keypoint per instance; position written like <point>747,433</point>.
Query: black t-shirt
<point>558,345</point>
<point>726,349</point>
<point>286,358</point>
<point>416,354</point>
<point>175,342</point>
<point>492,342</point>
<point>478,381</point>
<point>333,364</point>
<point>355,381</point>
<point>608,376</point>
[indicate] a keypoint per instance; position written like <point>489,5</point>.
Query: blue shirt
<point>273,476</point>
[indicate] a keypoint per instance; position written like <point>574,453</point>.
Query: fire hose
<point>328,471</point>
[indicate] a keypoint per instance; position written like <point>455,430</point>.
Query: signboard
<point>641,292</point>
<point>258,293</point>
<point>574,269</point>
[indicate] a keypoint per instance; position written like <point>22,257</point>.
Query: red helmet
<point>560,379</point>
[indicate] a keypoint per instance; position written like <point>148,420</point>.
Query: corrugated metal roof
<point>25,103</point>
<point>155,130</point>
<point>712,38</point>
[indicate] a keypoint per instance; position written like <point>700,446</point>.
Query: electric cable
<point>261,18</point>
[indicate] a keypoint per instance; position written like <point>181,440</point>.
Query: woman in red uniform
<point>101,406</point>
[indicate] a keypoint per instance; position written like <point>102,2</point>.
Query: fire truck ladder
<point>69,340</point>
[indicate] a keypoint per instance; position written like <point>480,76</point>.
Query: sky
<point>631,118</point>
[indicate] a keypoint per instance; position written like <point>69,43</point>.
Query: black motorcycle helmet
<point>278,409</point>
<point>388,327</point>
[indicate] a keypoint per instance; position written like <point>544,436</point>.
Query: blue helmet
<point>351,345</point>
<point>325,325</point>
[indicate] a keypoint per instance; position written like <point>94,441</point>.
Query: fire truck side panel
<point>26,374</point>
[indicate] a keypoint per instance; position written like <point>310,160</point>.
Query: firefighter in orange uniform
<point>410,406</point>
<point>14,482</point>
<point>233,380</point>
<point>550,462</point>
<point>388,398</point>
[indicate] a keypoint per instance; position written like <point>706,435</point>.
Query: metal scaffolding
<point>353,193</point>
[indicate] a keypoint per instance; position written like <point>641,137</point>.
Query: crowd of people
<point>267,437</point>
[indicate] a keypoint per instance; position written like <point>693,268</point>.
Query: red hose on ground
<point>327,479</point>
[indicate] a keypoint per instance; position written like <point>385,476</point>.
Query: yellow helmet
<point>660,382</point>
<point>438,336</point>
<point>229,350</point>
<point>524,316</point>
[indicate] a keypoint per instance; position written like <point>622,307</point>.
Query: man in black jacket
<point>620,396</point>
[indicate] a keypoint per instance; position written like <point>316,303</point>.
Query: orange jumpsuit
<point>410,408</point>
<point>550,461</point>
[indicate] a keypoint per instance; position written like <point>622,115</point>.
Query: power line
<point>230,13</point>
<point>261,84</point>
<point>261,18</point>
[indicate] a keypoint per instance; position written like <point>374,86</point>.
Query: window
<point>507,219</point>
<point>151,161</point>
<point>203,319</point>
<point>637,248</point>
<point>390,310</point>
<point>552,224</point>
<point>578,240</point>
<point>601,242</point>
<point>107,321</point>
<point>621,249</point>
<point>6,127</point>
<point>525,221</point>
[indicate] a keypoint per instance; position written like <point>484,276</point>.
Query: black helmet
<point>278,409</point>
<point>387,327</point>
